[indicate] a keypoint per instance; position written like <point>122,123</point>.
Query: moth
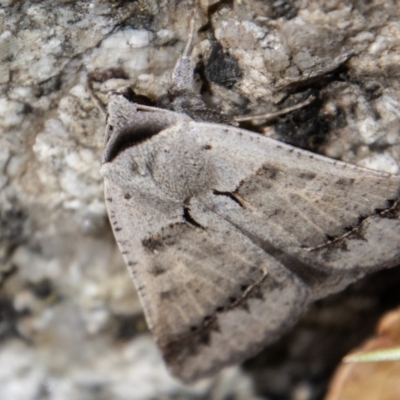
<point>230,235</point>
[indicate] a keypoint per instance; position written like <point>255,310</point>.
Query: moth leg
<point>277,113</point>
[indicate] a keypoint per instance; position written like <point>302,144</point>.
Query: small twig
<point>191,33</point>
<point>277,113</point>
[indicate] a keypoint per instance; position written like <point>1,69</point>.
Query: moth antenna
<point>182,77</point>
<point>277,113</point>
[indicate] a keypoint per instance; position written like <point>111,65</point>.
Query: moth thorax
<point>183,173</point>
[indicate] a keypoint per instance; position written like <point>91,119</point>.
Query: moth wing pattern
<point>230,235</point>
<point>328,221</point>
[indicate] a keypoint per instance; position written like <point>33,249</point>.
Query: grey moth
<point>230,235</point>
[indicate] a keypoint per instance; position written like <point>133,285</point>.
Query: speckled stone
<point>71,326</point>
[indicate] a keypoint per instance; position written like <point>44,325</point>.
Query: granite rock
<point>71,325</point>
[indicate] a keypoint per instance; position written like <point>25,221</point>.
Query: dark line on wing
<point>186,343</point>
<point>230,195</point>
<point>189,219</point>
<point>305,272</point>
<point>391,212</point>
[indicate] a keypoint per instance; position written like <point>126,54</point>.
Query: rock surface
<point>70,322</point>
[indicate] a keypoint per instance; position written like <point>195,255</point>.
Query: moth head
<point>131,135</point>
<point>129,124</point>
